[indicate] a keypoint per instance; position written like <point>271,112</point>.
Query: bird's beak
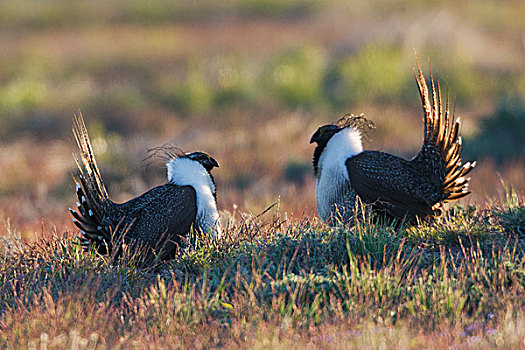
<point>214,162</point>
<point>314,137</point>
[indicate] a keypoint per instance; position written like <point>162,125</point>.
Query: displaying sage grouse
<point>155,220</point>
<point>394,187</point>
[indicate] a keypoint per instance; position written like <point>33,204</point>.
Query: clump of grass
<point>11,244</point>
<point>512,215</point>
<point>455,224</point>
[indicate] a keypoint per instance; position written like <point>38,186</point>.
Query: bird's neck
<point>343,145</point>
<point>187,172</point>
<point>332,179</point>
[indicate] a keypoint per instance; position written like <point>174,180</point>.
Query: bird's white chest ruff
<point>187,172</point>
<point>333,188</point>
<point>329,191</point>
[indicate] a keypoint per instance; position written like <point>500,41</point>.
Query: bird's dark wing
<point>390,184</point>
<point>159,217</point>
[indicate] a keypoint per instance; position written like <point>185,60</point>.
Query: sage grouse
<point>394,187</point>
<point>158,218</point>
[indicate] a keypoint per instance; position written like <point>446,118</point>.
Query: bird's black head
<point>324,134</point>
<point>205,159</point>
<point>321,137</point>
<point>358,122</point>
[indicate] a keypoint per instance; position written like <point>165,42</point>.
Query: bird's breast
<point>333,193</point>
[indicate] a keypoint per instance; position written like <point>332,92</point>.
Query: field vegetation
<point>280,282</point>
<point>249,82</point>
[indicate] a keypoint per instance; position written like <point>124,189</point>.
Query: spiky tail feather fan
<point>91,193</point>
<point>441,151</point>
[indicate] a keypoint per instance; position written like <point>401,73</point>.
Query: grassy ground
<point>281,283</point>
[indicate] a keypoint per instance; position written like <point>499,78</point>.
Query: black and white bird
<point>157,219</point>
<point>394,187</point>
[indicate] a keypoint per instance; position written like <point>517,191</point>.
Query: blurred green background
<point>248,82</point>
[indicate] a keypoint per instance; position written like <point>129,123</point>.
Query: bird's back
<point>164,212</point>
<point>392,184</point>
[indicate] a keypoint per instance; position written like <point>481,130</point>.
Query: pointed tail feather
<point>87,157</point>
<point>440,155</point>
<point>91,192</point>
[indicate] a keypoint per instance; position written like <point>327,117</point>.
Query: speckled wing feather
<point>159,217</point>
<point>391,184</point>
